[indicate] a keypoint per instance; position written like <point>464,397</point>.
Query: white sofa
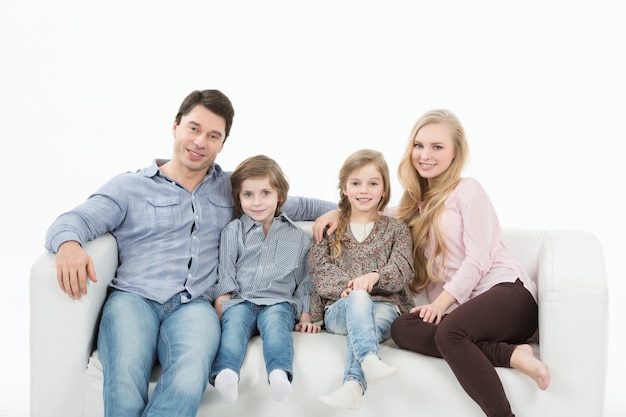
<point>66,378</point>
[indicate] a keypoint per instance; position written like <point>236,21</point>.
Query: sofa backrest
<point>525,246</point>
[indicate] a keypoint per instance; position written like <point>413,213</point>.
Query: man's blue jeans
<point>134,333</point>
<point>365,323</point>
<point>241,321</point>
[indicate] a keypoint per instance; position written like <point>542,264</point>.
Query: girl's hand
<point>364,282</point>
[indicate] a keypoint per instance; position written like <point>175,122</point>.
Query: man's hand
<point>330,219</point>
<point>74,266</point>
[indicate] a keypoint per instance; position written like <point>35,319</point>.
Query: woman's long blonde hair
<point>357,160</point>
<point>422,203</point>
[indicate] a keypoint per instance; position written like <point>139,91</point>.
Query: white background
<point>90,89</point>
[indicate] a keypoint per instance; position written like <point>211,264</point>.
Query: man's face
<point>198,139</point>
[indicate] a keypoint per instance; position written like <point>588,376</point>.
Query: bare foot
<point>523,359</point>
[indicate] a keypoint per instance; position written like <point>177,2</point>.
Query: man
<point>167,219</point>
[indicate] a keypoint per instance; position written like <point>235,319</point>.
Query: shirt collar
<point>153,169</point>
<point>247,223</point>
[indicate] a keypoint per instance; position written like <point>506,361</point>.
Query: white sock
<point>227,384</point>
<point>375,369</point>
<point>347,396</point>
<point>279,384</point>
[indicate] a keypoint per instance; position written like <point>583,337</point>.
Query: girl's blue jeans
<point>365,323</point>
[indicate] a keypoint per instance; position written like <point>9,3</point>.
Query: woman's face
<point>433,150</point>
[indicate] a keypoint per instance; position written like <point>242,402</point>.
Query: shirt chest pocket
<point>163,213</point>
<point>287,254</point>
<point>219,212</point>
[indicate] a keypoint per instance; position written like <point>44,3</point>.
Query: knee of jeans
<point>281,314</point>
<point>232,317</point>
<point>359,297</point>
<point>190,383</point>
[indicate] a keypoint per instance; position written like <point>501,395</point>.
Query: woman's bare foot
<point>523,359</point>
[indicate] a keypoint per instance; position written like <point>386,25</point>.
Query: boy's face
<point>259,199</point>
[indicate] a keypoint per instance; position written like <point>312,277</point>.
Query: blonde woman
<point>482,304</point>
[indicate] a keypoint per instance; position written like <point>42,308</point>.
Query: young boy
<point>263,284</point>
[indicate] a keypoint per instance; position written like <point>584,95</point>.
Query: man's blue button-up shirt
<point>167,237</point>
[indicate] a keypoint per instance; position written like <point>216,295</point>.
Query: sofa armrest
<point>573,314</point>
<point>62,331</point>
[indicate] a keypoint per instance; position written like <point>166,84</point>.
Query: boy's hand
<point>307,327</point>
<point>218,304</point>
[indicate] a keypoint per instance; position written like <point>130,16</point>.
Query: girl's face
<point>259,199</point>
<point>433,150</point>
<point>364,189</point>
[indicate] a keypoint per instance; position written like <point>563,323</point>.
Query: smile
<point>194,156</point>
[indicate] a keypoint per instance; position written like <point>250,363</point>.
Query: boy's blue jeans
<point>242,321</point>
<point>134,333</point>
<point>365,323</point>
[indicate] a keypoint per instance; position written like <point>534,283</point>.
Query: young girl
<point>482,304</point>
<point>361,274</point>
<point>263,284</point>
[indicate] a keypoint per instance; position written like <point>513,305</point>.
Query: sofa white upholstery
<point>568,266</point>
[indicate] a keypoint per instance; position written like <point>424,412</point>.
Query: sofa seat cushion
<point>318,370</point>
